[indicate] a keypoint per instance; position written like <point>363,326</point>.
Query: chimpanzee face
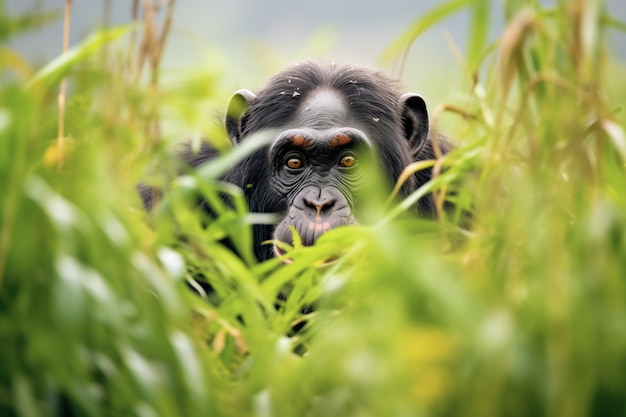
<point>329,119</point>
<point>316,167</point>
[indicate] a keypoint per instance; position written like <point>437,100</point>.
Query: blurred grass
<point>513,305</point>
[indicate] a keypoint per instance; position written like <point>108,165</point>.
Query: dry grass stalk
<point>151,48</point>
<point>153,41</point>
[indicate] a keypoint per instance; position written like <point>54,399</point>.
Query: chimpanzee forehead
<point>321,110</point>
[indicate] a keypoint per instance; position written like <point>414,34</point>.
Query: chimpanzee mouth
<point>309,233</point>
<point>287,260</point>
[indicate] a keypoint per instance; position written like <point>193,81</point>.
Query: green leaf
<point>57,69</point>
<point>425,22</point>
<point>10,25</point>
<point>224,162</point>
<point>614,23</point>
<point>479,30</point>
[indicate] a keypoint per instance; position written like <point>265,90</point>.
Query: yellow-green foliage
<point>513,304</point>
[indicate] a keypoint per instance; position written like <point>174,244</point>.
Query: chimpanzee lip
<point>280,254</point>
<point>286,260</point>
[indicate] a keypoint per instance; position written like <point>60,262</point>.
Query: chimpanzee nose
<point>313,212</point>
<point>321,202</point>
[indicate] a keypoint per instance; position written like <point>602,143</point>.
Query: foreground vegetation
<point>513,304</point>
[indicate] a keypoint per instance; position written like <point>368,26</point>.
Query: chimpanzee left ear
<point>235,114</point>
<point>414,120</point>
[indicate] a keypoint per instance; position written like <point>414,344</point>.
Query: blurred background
<point>511,304</point>
<point>253,39</point>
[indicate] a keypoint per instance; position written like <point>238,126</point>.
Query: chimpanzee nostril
<point>321,205</point>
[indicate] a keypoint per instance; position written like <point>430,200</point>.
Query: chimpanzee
<point>326,118</point>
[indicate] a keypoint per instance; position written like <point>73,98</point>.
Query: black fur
<point>371,98</point>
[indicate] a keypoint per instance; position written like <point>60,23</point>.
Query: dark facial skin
<point>315,167</point>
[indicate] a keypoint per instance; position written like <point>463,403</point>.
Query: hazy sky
<point>245,32</point>
<point>362,29</point>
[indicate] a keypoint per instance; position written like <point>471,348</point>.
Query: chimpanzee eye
<point>347,161</point>
<point>294,163</point>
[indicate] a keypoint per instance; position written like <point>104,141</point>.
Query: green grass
<point>514,304</point>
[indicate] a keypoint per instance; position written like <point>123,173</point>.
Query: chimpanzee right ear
<point>414,121</point>
<point>235,114</point>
